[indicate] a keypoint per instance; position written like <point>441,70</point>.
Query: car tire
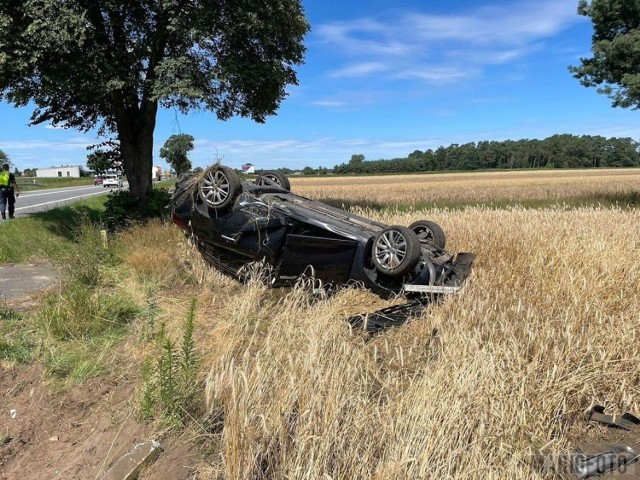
<point>270,177</point>
<point>218,187</point>
<point>396,251</point>
<point>430,233</point>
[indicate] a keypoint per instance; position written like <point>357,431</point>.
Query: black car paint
<point>295,235</point>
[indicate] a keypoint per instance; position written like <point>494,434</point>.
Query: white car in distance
<point>112,180</point>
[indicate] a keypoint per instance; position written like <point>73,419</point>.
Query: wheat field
<point>476,388</point>
<point>552,185</point>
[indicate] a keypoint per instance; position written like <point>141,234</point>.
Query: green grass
<point>16,344</point>
<point>73,362</point>
<point>166,184</point>
<point>80,311</point>
<point>47,235</point>
<point>77,328</point>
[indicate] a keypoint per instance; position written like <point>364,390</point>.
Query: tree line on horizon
<point>557,151</point>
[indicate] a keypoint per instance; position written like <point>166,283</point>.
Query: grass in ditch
<point>47,235</point>
<point>15,343</point>
<point>78,328</point>
<point>472,389</point>
<point>80,324</point>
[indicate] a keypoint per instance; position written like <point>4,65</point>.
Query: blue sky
<point>384,78</point>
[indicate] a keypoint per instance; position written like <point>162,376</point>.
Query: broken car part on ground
<point>235,223</point>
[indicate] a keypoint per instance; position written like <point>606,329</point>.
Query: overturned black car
<point>235,223</point>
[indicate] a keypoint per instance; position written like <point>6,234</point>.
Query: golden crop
<point>474,389</point>
<point>486,379</point>
<point>554,185</point>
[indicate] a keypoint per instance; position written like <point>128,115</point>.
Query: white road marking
<point>62,200</point>
<point>54,191</point>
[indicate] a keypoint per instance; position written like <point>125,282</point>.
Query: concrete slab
<point>130,465</point>
<point>19,281</point>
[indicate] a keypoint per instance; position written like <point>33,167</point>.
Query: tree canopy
<point>100,161</point>
<point>175,152</point>
<point>110,64</point>
<point>615,44</point>
<point>557,151</point>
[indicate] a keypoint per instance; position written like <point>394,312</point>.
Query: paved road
<point>42,200</point>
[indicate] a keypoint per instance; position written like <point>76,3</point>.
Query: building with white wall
<point>59,172</point>
<point>156,173</point>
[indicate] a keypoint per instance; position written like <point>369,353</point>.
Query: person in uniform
<point>9,190</point>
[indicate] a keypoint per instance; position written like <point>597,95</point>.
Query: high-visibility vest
<point>4,178</point>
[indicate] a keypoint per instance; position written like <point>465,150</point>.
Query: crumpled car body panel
<point>295,236</point>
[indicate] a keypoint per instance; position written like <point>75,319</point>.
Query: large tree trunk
<point>135,132</point>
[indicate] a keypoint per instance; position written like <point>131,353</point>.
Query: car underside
<point>237,223</point>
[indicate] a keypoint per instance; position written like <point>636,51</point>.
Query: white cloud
<point>71,144</point>
<point>508,24</point>
<point>347,100</point>
<point>438,75</point>
<point>359,70</point>
<point>329,103</point>
<point>40,153</point>
<point>438,49</point>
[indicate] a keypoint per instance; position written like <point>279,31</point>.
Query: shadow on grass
<point>596,199</point>
<point>66,221</point>
<point>621,199</point>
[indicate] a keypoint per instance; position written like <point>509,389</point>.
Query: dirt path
<point>77,434</point>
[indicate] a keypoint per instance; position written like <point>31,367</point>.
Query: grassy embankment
<point>474,389</point>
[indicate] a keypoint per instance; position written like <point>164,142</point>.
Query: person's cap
<point>5,164</point>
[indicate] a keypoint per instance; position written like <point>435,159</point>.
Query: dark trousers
<point>7,196</point>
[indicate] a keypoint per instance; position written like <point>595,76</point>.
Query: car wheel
<point>218,187</point>
<point>429,233</point>
<point>396,251</point>
<point>270,177</point>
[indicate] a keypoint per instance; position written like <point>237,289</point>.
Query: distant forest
<point>558,151</point>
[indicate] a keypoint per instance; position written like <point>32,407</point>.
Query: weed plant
<point>170,386</point>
